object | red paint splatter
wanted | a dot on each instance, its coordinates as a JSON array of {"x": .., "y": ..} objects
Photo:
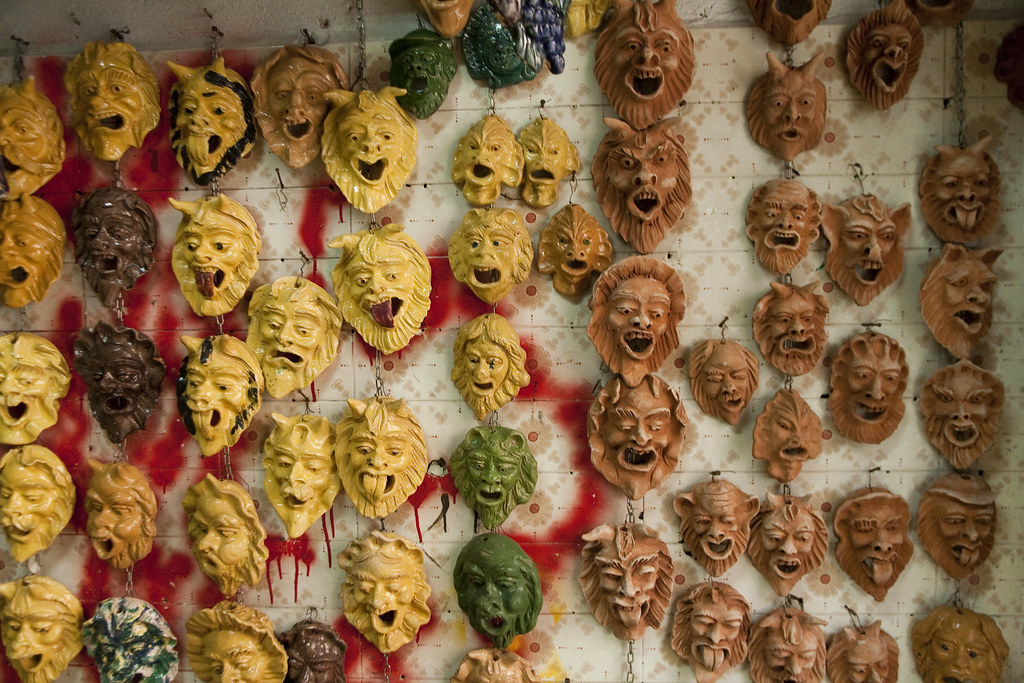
[
  {"x": 313, "y": 221},
  {"x": 431, "y": 483},
  {"x": 300, "y": 549},
  {"x": 328, "y": 536},
  {"x": 448, "y": 297}
]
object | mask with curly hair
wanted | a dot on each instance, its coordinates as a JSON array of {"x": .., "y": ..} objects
[
  {"x": 494, "y": 471},
  {"x": 33, "y": 149},
  {"x": 122, "y": 513},
  {"x": 487, "y": 157},
  {"x": 787, "y": 646},
  {"x": 958, "y": 644},
  {"x": 710, "y": 629},
  {"x": 490, "y": 252},
  {"x": 961, "y": 405},
  {"x": 869, "y": 375},
  {"x": 490, "y": 365},
  {"x": 883, "y": 53},
  {"x": 37, "y": 497},
  {"x": 316, "y": 653},
  {"x": 956, "y": 297},
  {"x": 32, "y": 233},
  {"x": 789, "y": 326},
  {"x": 786, "y": 108},
  {"x": 491, "y": 665},
  {"x": 33, "y": 378},
  {"x": 788, "y": 539},
  {"x": 863, "y": 654},
  {"x": 873, "y": 549},
  {"x": 234, "y": 642},
  {"x": 959, "y": 190},
  {"x": 715, "y": 520},
  {"x": 956, "y": 522},
  {"x": 42, "y": 627}
]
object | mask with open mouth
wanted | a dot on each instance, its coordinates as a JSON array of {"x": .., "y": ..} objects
[
  {"x": 710, "y": 629},
  {"x": 862, "y": 654},
  {"x": 492, "y": 665},
  {"x": 883, "y": 53},
  {"x": 789, "y": 326},
  {"x": 42, "y": 627},
  {"x": 723, "y": 378},
  {"x": 423, "y": 64},
  {"x": 122, "y": 511},
  {"x": 783, "y": 220},
  {"x": 316, "y": 653},
  {"x": 940, "y": 12},
  {"x": 956, "y": 522},
  {"x": 130, "y": 640},
  {"x": 550, "y": 157},
  {"x": 787, "y": 434},
  {"x": 231, "y": 642},
  {"x": 959, "y": 190},
  {"x": 788, "y": 21},
  {"x": 32, "y": 240},
  {"x": 33, "y": 377},
  {"x": 573, "y": 248},
  {"x": 31, "y": 140},
  {"x": 869, "y": 375},
  {"x": 492, "y": 52},
  {"x": 36, "y": 499},
  {"x": 449, "y": 17},
  {"x": 787, "y": 646},
  {"x": 715, "y": 523},
  {"x": 491, "y": 252},
  {"x": 956, "y": 297},
  {"x": 489, "y": 365},
  {"x": 494, "y": 471},
  {"x": 786, "y": 108},
  {"x": 873, "y": 549},
  {"x": 961, "y": 405},
  {"x": 788, "y": 539},
  {"x": 487, "y": 157},
  {"x": 958, "y": 645}
]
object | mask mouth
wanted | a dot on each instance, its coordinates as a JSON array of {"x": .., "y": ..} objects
[
  {"x": 575, "y": 265},
  {"x": 487, "y": 276},
  {"x": 214, "y": 418},
  {"x": 783, "y": 239},
  {"x": 489, "y": 496},
  {"x": 213, "y": 144},
  {"x": 787, "y": 567},
  {"x": 32, "y": 662},
  {"x": 17, "y": 411},
  {"x": 482, "y": 172},
  {"x": 108, "y": 264},
  {"x": 638, "y": 343},
  {"x": 794, "y": 453},
  {"x": 384, "y": 312},
  {"x": 969, "y": 319},
  {"x": 636, "y": 459},
  {"x": 484, "y": 387},
  {"x": 417, "y": 85},
  {"x": 106, "y": 546},
  {"x": 377, "y": 486},
  {"x": 117, "y": 404},
  {"x": 887, "y": 75},
  {"x": 209, "y": 281},
  {"x": 869, "y": 413},
  {"x": 802, "y": 346},
  {"x": 18, "y": 275},
  {"x": 385, "y": 621},
  {"x": 372, "y": 172},
  {"x": 646, "y": 82},
  {"x": 867, "y": 271},
  {"x": 794, "y": 9},
  {"x": 791, "y": 134},
  {"x": 719, "y": 550},
  {"x": 113, "y": 122},
  {"x": 964, "y": 214},
  {"x": 644, "y": 203},
  {"x": 288, "y": 356},
  {"x": 961, "y": 434},
  {"x": 297, "y": 131},
  {"x": 542, "y": 175}
]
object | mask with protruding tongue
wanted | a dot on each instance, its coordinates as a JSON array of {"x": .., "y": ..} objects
[
  {"x": 385, "y": 311},
  {"x": 377, "y": 486},
  {"x": 207, "y": 282}
]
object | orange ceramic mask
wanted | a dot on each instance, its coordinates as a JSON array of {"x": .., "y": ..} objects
[
  {"x": 869, "y": 375},
  {"x": 786, "y": 109},
  {"x": 940, "y": 12},
  {"x": 550, "y": 157},
  {"x": 585, "y": 16},
  {"x": 41, "y": 627},
  {"x": 723, "y": 378},
  {"x": 31, "y": 140},
  {"x": 956, "y": 297},
  {"x": 299, "y": 474},
  {"x": 449, "y": 17},
  {"x": 883, "y": 53},
  {"x": 956, "y": 522},
  {"x": 789, "y": 327},
  {"x": 716, "y": 517},
  {"x": 872, "y": 526},
  {"x": 788, "y": 22},
  {"x": 487, "y": 157},
  {"x": 31, "y": 249},
  {"x": 33, "y": 377},
  {"x": 787, "y": 646},
  {"x": 710, "y": 629},
  {"x": 961, "y": 405},
  {"x": 787, "y": 434},
  {"x": 573, "y": 248},
  {"x": 494, "y": 666},
  {"x": 122, "y": 513},
  {"x": 490, "y": 252},
  {"x": 231, "y": 643},
  {"x": 490, "y": 365},
  {"x": 959, "y": 190},
  {"x": 858, "y": 655},
  {"x": 783, "y": 220},
  {"x": 36, "y": 499},
  {"x": 788, "y": 539},
  {"x": 956, "y": 644}
]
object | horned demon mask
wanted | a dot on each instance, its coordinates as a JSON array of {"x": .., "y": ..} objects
[
  {"x": 789, "y": 326},
  {"x": 869, "y": 375},
  {"x": 715, "y": 523},
  {"x": 956, "y": 297},
  {"x": 786, "y": 109}
]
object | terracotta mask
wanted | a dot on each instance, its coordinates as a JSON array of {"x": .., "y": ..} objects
[
  {"x": 723, "y": 378},
  {"x": 293, "y": 331},
  {"x": 788, "y": 22},
  {"x": 643, "y": 60},
  {"x": 115, "y": 98},
  {"x": 384, "y": 594},
  {"x": 227, "y": 536},
  {"x": 789, "y": 327},
  {"x": 863, "y": 655},
  {"x": 212, "y": 121},
  {"x": 299, "y": 474},
  {"x": 289, "y": 90},
  {"x": 635, "y": 309},
  {"x": 37, "y": 497},
  {"x": 129, "y": 640},
  {"x": 869, "y": 375},
  {"x": 316, "y": 654},
  {"x": 490, "y": 252},
  {"x": 231, "y": 642},
  {"x": 787, "y": 434},
  {"x": 31, "y": 140},
  {"x": 956, "y": 522},
  {"x": 715, "y": 527},
  {"x": 550, "y": 157},
  {"x": 1010, "y": 66},
  {"x": 956, "y": 297},
  {"x": 449, "y": 17},
  {"x": 710, "y": 629},
  {"x": 940, "y": 12},
  {"x": 490, "y": 365},
  {"x": 41, "y": 627},
  {"x": 636, "y": 434},
  {"x": 122, "y": 370},
  {"x": 585, "y": 16},
  {"x": 961, "y": 405},
  {"x": 494, "y": 471},
  {"x": 490, "y": 50},
  {"x": 487, "y": 157},
  {"x": 219, "y": 390},
  {"x": 382, "y": 281},
  {"x": 959, "y": 190},
  {"x": 31, "y": 249},
  {"x": 783, "y": 220},
  {"x": 787, "y": 646},
  {"x": 491, "y": 665},
  {"x": 865, "y": 245},
  {"x": 883, "y": 53},
  {"x": 499, "y": 588},
  {"x": 381, "y": 454},
  {"x": 122, "y": 513},
  {"x": 369, "y": 145},
  {"x": 786, "y": 109},
  {"x": 423, "y": 64},
  {"x": 873, "y": 548},
  {"x": 33, "y": 377},
  {"x": 956, "y": 644},
  {"x": 642, "y": 179},
  {"x": 788, "y": 539},
  {"x": 573, "y": 248}
]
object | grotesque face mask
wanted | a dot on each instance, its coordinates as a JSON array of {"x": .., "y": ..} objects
[
  {"x": 293, "y": 332},
  {"x": 384, "y": 594},
  {"x": 786, "y": 109},
  {"x": 585, "y": 16},
  {"x": 369, "y": 145},
  {"x": 788, "y": 22},
  {"x": 787, "y": 434},
  {"x": 316, "y": 654},
  {"x": 490, "y": 50},
  {"x": 36, "y": 499},
  {"x": 940, "y": 12},
  {"x": 1010, "y": 66},
  {"x": 490, "y": 252},
  {"x": 959, "y": 190},
  {"x": 449, "y": 17},
  {"x": 41, "y": 627},
  {"x": 490, "y": 365},
  {"x": 956, "y": 297},
  {"x": 231, "y": 642},
  {"x": 723, "y": 378},
  {"x": 869, "y": 375},
  {"x": 122, "y": 511},
  {"x": 787, "y": 645},
  {"x": 491, "y": 665},
  {"x": 883, "y": 53},
  {"x": 572, "y": 248},
  {"x": 32, "y": 241},
  {"x": 381, "y": 454},
  {"x": 874, "y": 547},
  {"x": 494, "y": 472},
  {"x": 783, "y": 220},
  {"x": 33, "y": 377},
  {"x": 288, "y": 89},
  {"x": 423, "y": 64},
  {"x": 115, "y": 98},
  {"x": 499, "y": 588},
  {"x": 961, "y": 405},
  {"x": 716, "y": 519},
  {"x": 954, "y": 643},
  {"x": 129, "y": 640},
  {"x": 300, "y": 477},
  {"x": 382, "y": 281},
  {"x": 956, "y": 522},
  {"x": 31, "y": 140},
  {"x": 789, "y": 326},
  {"x": 710, "y": 629},
  {"x": 788, "y": 539},
  {"x": 642, "y": 179},
  {"x": 487, "y": 157},
  {"x": 550, "y": 157},
  {"x": 863, "y": 655}
]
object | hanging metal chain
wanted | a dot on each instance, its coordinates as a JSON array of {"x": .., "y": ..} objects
[
  {"x": 855, "y": 619},
  {"x": 378, "y": 389},
  {"x": 630, "y": 513},
  {"x": 490, "y": 101},
  {"x": 629, "y": 663},
  {"x": 129, "y": 584},
  {"x": 119, "y": 453},
  {"x": 361, "y": 27},
  {"x": 118, "y": 179},
  {"x": 226, "y": 462},
  {"x": 19, "y": 58},
  {"x": 219, "y": 319},
  {"x": 961, "y": 93},
  {"x": 387, "y": 668}
]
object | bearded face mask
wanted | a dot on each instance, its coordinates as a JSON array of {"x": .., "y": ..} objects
[
  {"x": 873, "y": 549},
  {"x": 789, "y": 326},
  {"x": 550, "y": 157},
  {"x": 489, "y": 49},
  {"x": 491, "y": 665},
  {"x": 956, "y": 522},
  {"x": 316, "y": 654},
  {"x": 128, "y": 639},
  {"x": 783, "y": 220},
  {"x": 423, "y": 64},
  {"x": 42, "y": 627},
  {"x": 788, "y": 539},
  {"x": 573, "y": 248},
  {"x": 723, "y": 378},
  {"x": 36, "y": 499},
  {"x": 490, "y": 252},
  {"x": 787, "y": 645},
  {"x": 954, "y": 643},
  {"x": 490, "y": 364},
  {"x": 883, "y": 53},
  {"x": 494, "y": 471},
  {"x": 869, "y": 375},
  {"x": 233, "y": 642},
  {"x": 956, "y": 297},
  {"x": 959, "y": 190},
  {"x": 487, "y": 157},
  {"x": 863, "y": 654},
  {"x": 33, "y": 377},
  {"x": 786, "y": 109},
  {"x": 715, "y": 527},
  {"x": 787, "y": 434},
  {"x": 788, "y": 22},
  {"x": 31, "y": 140},
  {"x": 31, "y": 249},
  {"x": 449, "y": 17},
  {"x": 122, "y": 512},
  {"x": 961, "y": 405},
  {"x": 710, "y": 629}
]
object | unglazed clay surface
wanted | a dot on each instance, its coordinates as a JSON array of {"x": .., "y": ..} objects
[
  {"x": 423, "y": 64},
  {"x": 550, "y": 157},
  {"x": 449, "y": 17},
  {"x": 299, "y": 473},
  {"x": 869, "y": 375},
  {"x": 788, "y": 22},
  {"x": 955, "y": 643},
  {"x": 786, "y": 435},
  {"x": 715, "y": 523},
  {"x": 129, "y": 640},
  {"x": 490, "y": 50},
  {"x": 487, "y": 157},
  {"x": 33, "y": 377},
  {"x": 961, "y": 405},
  {"x": 723, "y": 378},
  {"x": 783, "y": 220},
  {"x": 316, "y": 654},
  {"x": 489, "y": 367},
  {"x": 856, "y": 655},
  {"x": 959, "y": 190},
  {"x": 122, "y": 513},
  {"x": 231, "y": 643},
  {"x": 940, "y": 12},
  {"x": 41, "y": 627},
  {"x": 494, "y": 471},
  {"x": 883, "y": 53},
  {"x": 1010, "y": 66},
  {"x": 789, "y": 327},
  {"x": 710, "y": 629},
  {"x": 788, "y": 539},
  {"x": 37, "y": 497},
  {"x": 490, "y": 252},
  {"x": 33, "y": 139},
  {"x": 956, "y": 522},
  {"x": 32, "y": 234},
  {"x": 786, "y": 108},
  {"x": 787, "y": 646},
  {"x": 573, "y": 248},
  {"x": 872, "y": 525},
  {"x": 956, "y": 297},
  {"x": 492, "y": 665}
]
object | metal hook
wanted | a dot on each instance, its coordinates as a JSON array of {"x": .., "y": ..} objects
[
  {"x": 723, "y": 326},
  {"x": 120, "y": 33},
  {"x": 876, "y": 468},
  {"x": 302, "y": 268},
  {"x": 787, "y": 383},
  {"x": 855, "y": 619},
  {"x": 790, "y": 599},
  {"x": 715, "y": 474},
  {"x": 282, "y": 198},
  {"x": 20, "y": 46},
  {"x": 859, "y": 175},
  {"x": 540, "y": 109},
  {"x": 789, "y": 170},
  {"x": 307, "y": 37},
  {"x": 573, "y": 183}
]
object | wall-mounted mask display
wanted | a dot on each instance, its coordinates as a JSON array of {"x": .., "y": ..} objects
[
  {"x": 232, "y": 642},
  {"x": 869, "y": 375},
  {"x": 786, "y": 108},
  {"x": 715, "y": 523},
  {"x": 961, "y": 405},
  {"x": 41, "y": 627},
  {"x": 710, "y": 629},
  {"x": 316, "y": 653},
  {"x": 487, "y": 157},
  {"x": 32, "y": 239},
  {"x": 490, "y": 252},
  {"x": 585, "y": 16},
  {"x": 863, "y": 654},
  {"x": 122, "y": 513},
  {"x": 786, "y": 435},
  {"x": 783, "y": 220},
  {"x": 955, "y": 643},
  {"x": 550, "y": 157},
  {"x": 423, "y": 64},
  {"x": 31, "y": 139},
  {"x": 787, "y": 645},
  {"x": 788, "y": 539},
  {"x": 494, "y": 471},
  {"x": 789, "y": 327},
  {"x": 37, "y": 497},
  {"x": 449, "y": 17},
  {"x": 883, "y": 53},
  {"x": 490, "y": 50},
  {"x": 492, "y": 665},
  {"x": 129, "y": 640},
  {"x": 788, "y": 22},
  {"x": 940, "y": 12},
  {"x": 573, "y": 248},
  {"x": 872, "y": 525},
  {"x": 956, "y": 297},
  {"x": 959, "y": 190},
  {"x": 723, "y": 378},
  {"x": 299, "y": 473},
  {"x": 33, "y": 377},
  {"x": 956, "y": 522},
  {"x": 489, "y": 366},
  {"x": 1010, "y": 66}
]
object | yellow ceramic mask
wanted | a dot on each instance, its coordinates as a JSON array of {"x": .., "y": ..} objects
[
  {"x": 41, "y": 626},
  {"x": 550, "y": 157},
  {"x": 33, "y": 377},
  {"x": 487, "y": 157},
  {"x": 31, "y": 249},
  {"x": 122, "y": 513},
  {"x": 36, "y": 499},
  {"x": 31, "y": 139},
  {"x": 491, "y": 252},
  {"x": 300, "y": 477},
  {"x": 490, "y": 365},
  {"x": 233, "y": 643},
  {"x": 585, "y": 16}
]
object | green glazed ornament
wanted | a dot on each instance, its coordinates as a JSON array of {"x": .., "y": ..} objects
[
  {"x": 423, "y": 64},
  {"x": 129, "y": 640},
  {"x": 494, "y": 471},
  {"x": 490, "y": 53}
]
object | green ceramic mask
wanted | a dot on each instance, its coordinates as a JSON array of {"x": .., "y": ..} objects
[
  {"x": 129, "y": 640},
  {"x": 490, "y": 52},
  {"x": 423, "y": 63},
  {"x": 494, "y": 471}
]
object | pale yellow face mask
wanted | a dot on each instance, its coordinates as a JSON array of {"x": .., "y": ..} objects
[
  {"x": 300, "y": 477},
  {"x": 491, "y": 252},
  {"x": 33, "y": 377},
  {"x": 36, "y": 499},
  {"x": 489, "y": 365},
  {"x": 31, "y": 139},
  {"x": 122, "y": 509},
  {"x": 550, "y": 157},
  {"x": 487, "y": 157},
  {"x": 32, "y": 235},
  {"x": 42, "y": 627}
]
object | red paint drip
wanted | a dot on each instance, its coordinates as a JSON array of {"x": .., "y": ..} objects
[
  {"x": 298, "y": 548},
  {"x": 431, "y": 484},
  {"x": 313, "y": 222},
  {"x": 449, "y": 297},
  {"x": 327, "y": 538}
]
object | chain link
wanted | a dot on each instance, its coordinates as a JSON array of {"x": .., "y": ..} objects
[
  {"x": 228, "y": 474},
  {"x": 118, "y": 179},
  {"x": 630, "y": 514},
  {"x": 361, "y": 27},
  {"x": 119, "y": 453},
  {"x": 129, "y": 584},
  {"x": 220, "y": 323},
  {"x": 378, "y": 389},
  {"x": 629, "y": 662},
  {"x": 387, "y": 668},
  {"x": 961, "y": 93},
  {"x": 119, "y": 308},
  {"x": 19, "y": 58}
]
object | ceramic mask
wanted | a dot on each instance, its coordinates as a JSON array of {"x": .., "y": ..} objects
[
  {"x": 537, "y": 28},
  {"x": 490, "y": 252},
  {"x": 122, "y": 370},
  {"x": 31, "y": 140},
  {"x": 636, "y": 434},
  {"x": 956, "y": 297},
  {"x": 786, "y": 109},
  {"x": 490, "y": 50},
  {"x": 216, "y": 253},
  {"x": 550, "y": 157},
  {"x": 294, "y": 327},
  {"x": 31, "y": 249},
  {"x": 873, "y": 548},
  {"x": 783, "y": 220},
  {"x": 863, "y": 655},
  {"x": 227, "y": 536},
  {"x": 115, "y": 233},
  {"x": 573, "y": 248},
  {"x": 788, "y": 539},
  {"x": 788, "y": 22},
  {"x": 1010, "y": 66},
  {"x": 299, "y": 474},
  {"x": 789, "y": 327},
  {"x": 37, "y": 497},
  {"x": 940, "y": 12},
  {"x": 715, "y": 528},
  {"x": 787, "y": 645},
  {"x": 41, "y": 626},
  {"x": 642, "y": 179},
  {"x": 956, "y": 522},
  {"x": 33, "y": 377},
  {"x": 585, "y": 16},
  {"x": 957, "y": 644},
  {"x": 122, "y": 513},
  {"x": 710, "y": 629},
  {"x": 723, "y": 378},
  {"x": 369, "y": 145},
  {"x": 381, "y": 454},
  {"x": 959, "y": 190},
  {"x": 449, "y": 17},
  {"x": 635, "y": 309},
  {"x": 213, "y": 124},
  {"x": 498, "y": 587},
  {"x": 491, "y": 665},
  {"x": 643, "y": 60},
  {"x": 219, "y": 390},
  {"x": 494, "y": 471},
  {"x": 115, "y": 98},
  {"x": 487, "y": 157},
  {"x": 423, "y": 64},
  {"x": 233, "y": 643},
  {"x": 289, "y": 89},
  {"x": 382, "y": 281},
  {"x": 316, "y": 654},
  {"x": 129, "y": 640},
  {"x": 384, "y": 594},
  {"x": 786, "y": 435},
  {"x": 869, "y": 375},
  {"x": 961, "y": 405},
  {"x": 883, "y": 53},
  {"x": 489, "y": 367}
]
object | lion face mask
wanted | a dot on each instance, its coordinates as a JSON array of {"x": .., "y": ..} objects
[
  {"x": 787, "y": 434},
  {"x": 423, "y": 64},
  {"x": 573, "y": 248},
  {"x": 36, "y": 499},
  {"x": 31, "y": 140},
  {"x": 316, "y": 653},
  {"x": 33, "y": 377},
  {"x": 956, "y": 644},
  {"x": 788, "y": 539},
  {"x": 788, "y": 22},
  {"x": 789, "y": 326},
  {"x": 122, "y": 513},
  {"x": 715, "y": 528},
  {"x": 723, "y": 378},
  {"x": 786, "y": 109},
  {"x": 956, "y": 297},
  {"x": 550, "y": 157},
  {"x": 490, "y": 365},
  {"x": 491, "y": 665},
  {"x": 787, "y": 646},
  {"x": 872, "y": 526},
  {"x": 494, "y": 471},
  {"x": 42, "y": 627},
  {"x": 783, "y": 220},
  {"x": 490, "y": 252},
  {"x": 869, "y": 375},
  {"x": 32, "y": 241},
  {"x": 959, "y": 190},
  {"x": 710, "y": 629},
  {"x": 230, "y": 643},
  {"x": 956, "y": 522},
  {"x": 858, "y": 655},
  {"x": 883, "y": 53},
  {"x": 487, "y": 157},
  {"x": 961, "y": 405},
  {"x": 130, "y": 640}
]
